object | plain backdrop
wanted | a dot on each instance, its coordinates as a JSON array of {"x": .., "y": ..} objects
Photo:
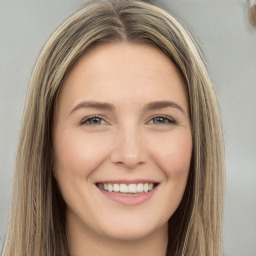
[{"x": 229, "y": 46}]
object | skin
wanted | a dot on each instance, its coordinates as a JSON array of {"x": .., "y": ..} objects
[{"x": 127, "y": 142}]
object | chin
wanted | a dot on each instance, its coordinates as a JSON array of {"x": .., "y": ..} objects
[{"x": 135, "y": 229}]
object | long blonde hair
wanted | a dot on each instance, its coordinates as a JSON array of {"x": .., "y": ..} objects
[{"x": 37, "y": 217}]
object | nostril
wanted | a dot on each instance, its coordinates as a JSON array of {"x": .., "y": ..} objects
[{"x": 128, "y": 160}]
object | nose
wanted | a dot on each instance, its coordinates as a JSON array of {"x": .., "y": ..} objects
[{"x": 129, "y": 149}]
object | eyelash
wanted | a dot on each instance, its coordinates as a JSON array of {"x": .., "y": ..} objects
[
  {"x": 88, "y": 119},
  {"x": 167, "y": 120}
]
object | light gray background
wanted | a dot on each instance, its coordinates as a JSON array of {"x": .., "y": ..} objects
[{"x": 229, "y": 46}]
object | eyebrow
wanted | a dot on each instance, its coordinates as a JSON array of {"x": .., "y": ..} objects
[
  {"x": 110, "y": 107},
  {"x": 163, "y": 104},
  {"x": 93, "y": 104}
]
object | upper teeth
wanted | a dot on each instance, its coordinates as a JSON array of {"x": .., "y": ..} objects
[{"x": 128, "y": 188}]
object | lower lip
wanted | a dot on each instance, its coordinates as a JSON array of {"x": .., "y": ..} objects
[{"x": 132, "y": 199}]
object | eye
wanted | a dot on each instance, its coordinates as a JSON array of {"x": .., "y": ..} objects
[
  {"x": 162, "y": 120},
  {"x": 93, "y": 120}
]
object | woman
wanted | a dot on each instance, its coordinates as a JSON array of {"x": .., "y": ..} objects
[{"x": 121, "y": 148}]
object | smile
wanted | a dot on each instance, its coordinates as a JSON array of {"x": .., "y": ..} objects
[
  {"x": 127, "y": 188},
  {"x": 134, "y": 193}
]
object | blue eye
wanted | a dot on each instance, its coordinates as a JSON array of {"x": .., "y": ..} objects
[
  {"x": 162, "y": 120},
  {"x": 93, "y": 120},
  {"x": 159, "y": 120}
]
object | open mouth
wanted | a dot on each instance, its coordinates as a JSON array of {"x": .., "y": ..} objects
[{"x": 127, "y": 189}]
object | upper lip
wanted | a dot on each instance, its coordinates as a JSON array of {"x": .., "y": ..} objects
[{"x": 126, "y": 181}]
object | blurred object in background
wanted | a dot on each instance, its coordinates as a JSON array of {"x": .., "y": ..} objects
[{"x": 252, "y": 12}]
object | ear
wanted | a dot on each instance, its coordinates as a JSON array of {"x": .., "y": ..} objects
[{"x": 252, "y": 12}]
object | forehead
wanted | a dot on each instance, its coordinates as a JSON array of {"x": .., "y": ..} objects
[
  {"x": 123, "y": 72},
  {"x": 124, "y": 56}
]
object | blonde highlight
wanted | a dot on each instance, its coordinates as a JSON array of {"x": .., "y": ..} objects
[{"x": 37, "y": 220}]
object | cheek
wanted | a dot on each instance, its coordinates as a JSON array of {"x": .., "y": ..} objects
[
  {"x": 77, "y": 154},
  {"x": 173, "y": 155}
]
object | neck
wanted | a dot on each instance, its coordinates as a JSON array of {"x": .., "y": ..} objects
[{"x": 83, "y": 243}]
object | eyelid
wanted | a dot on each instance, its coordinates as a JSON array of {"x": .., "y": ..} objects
[
  {"x": 85, "y": 119},
  {"x": 171, "y": 120}
]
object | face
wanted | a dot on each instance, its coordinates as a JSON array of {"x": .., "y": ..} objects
[{"x": 122, "y": 141}]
